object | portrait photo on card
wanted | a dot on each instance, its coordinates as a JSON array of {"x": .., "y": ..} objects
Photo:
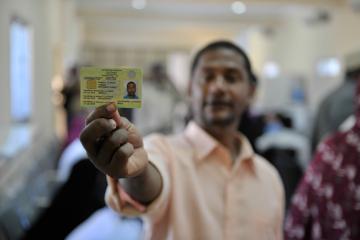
[{"x": 132, "y": 90}]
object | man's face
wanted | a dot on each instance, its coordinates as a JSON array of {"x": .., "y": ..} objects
[
  {"x": 220, "y": 88},
  {"x": 131, "y": 89}
]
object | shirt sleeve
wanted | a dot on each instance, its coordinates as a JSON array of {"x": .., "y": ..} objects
[
  {"x": 279, "y": 230},
  {"x": 158, "y": 153}
]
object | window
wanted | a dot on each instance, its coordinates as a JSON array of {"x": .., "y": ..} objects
[
  {"x": 20, "y": 71},
  {"x": 19, "y": 134},
  {"x": 328, "y": 67}
]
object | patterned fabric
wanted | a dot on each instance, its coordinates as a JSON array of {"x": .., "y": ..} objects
[{"x": 327, "y": 202}]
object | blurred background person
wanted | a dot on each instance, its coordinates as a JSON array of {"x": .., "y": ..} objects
[
  {"x": 160, "y": 99},
  {"x": 106, "y": 224},
  {"x": 336, "y": 107},
  {"x": 75, "y": 115},
  {"x": 252, "y": 123},
  {"x": 286, "y": 149},
  {"x": 327, "y": 202}
]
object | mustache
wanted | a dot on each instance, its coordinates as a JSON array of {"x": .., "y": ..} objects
[{"x": 219, "y": 102}]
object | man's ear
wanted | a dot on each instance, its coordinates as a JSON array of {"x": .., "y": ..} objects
[
  {"x": 189, "y": 115},
  {"x": 252, "y": 91},
  {"x": 189, "y": 89}
]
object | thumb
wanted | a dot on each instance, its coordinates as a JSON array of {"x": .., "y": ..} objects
[
  {"x": 134, "y": 136},
  {"x": 116, "y": 115}
]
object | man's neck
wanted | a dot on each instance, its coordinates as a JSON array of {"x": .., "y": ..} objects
[{"x": 227, "y": 136}]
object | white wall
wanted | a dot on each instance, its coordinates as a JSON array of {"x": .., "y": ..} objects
[
  {"x": 296, "y": 46},
  {"x": 33, "y": 12},
  {"x": 57, "y": 40},
  {"x": 73, "y": 29}
]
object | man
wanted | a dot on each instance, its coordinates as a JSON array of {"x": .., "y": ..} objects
[
  {"x": 338, "y": 105},
  {"x": 205, "y": 183},
  {"x": 131, "y": 91}
]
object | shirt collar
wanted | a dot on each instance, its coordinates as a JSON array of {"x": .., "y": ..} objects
[{"x": 204, "y": 144}]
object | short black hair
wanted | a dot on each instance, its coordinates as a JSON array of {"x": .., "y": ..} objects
[
  {"x": 227, "y": 45},
  {"x": 352, "y": 74},
  {"x": 131, "y": 82}
]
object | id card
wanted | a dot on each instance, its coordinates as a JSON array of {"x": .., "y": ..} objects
[{"x": 100, "y": 86}]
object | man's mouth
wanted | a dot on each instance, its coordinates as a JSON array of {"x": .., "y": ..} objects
[{"x": 219, "y": 104}]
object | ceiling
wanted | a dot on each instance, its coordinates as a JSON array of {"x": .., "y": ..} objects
[{"x": 181, "y": 23}]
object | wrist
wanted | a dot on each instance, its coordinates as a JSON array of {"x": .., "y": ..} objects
[{"x": 144, "y": 187}]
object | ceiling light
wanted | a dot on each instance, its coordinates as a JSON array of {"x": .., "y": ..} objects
[
  {"x": 238, "y": 7},
  {"x": 138, "y": 4},
  {"x": 271, "y": 70}
]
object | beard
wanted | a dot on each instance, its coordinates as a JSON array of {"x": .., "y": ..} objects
[
  {"x": 214, "y": 115},
  {"x": 219, "y": 113},
  {"x": 222, "y": 121}
]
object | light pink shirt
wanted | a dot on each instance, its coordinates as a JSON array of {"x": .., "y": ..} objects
[{"x": 205, "y": 196}]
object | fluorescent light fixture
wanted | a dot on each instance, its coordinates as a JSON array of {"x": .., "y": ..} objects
[
  {"x": 238, "y": 7},
  {"x": 271, "y": 70},
  {"x": 328, "y": 67},
  {"x": 138, "y": 4}
]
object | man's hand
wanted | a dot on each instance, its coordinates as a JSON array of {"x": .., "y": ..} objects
[
  {"x": 113, "y": 144},
  {"x": 115, "y": 147}
]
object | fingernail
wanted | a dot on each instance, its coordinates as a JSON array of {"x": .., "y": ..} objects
[
  {"x": 113, "y": 123},
  {"x": 111, "y": 107},
  {"x": 142, "y": 209}
]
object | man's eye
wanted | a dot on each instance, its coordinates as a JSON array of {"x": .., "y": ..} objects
[
  {"x": 209, "y": 77},
  {"x": 231, "y": 78}
]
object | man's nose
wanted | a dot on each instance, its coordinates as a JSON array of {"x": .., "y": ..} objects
[{"x": 219, "y": 84}]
